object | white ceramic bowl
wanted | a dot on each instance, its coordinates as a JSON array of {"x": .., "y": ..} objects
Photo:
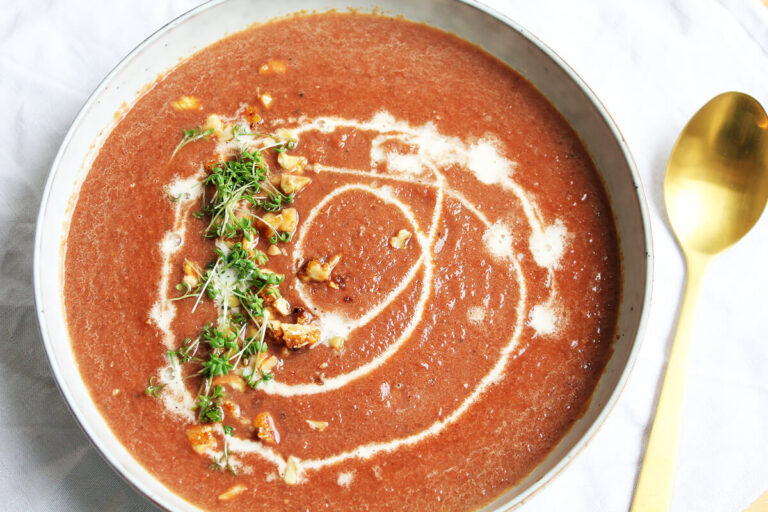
[{"x": 467, "y": 19}]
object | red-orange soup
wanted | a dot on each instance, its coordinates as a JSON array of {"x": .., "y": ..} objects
[{"x": 416, "y": 284}]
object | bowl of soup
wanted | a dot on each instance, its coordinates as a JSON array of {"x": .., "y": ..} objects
[{"x": 299, "y": 257}]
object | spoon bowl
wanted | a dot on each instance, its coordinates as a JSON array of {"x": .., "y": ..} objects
[{"x": 717, "y": 178}]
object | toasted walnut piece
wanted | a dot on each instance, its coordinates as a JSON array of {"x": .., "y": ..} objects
[
  {"x": 251, "y": 331},
  {"x": 220, "y": 131},
  {"x": 269, "y": 294},
  {"x": 265, "y": 428},
  {"x": 192, "y": 273},
  {"x": 290, "y": 220},
  {"x": 291, "y": 163},
  {"x": 201, "y": 438},
  {"x": 401, "y": 240},
  {"x": 273, "y": 66},
  {"x": 233, "y": 492},
  {"x": 268, "y": 364},
  {"x": 296, "y": 336},
  {"x": 282, "y": 306},
  {"x": 273, "y": 250},
  {"x": 278, "y": 66},
  {"x": 291, "y": 473},
  {"x": 320, "y": 271},
  {"x": 337, "y": 342},
  {"x": 233, "y": 301},
  {"x": 272, "y": 220},
  {"x": 231, "y": 408},
  {"x": 304, "y": 317},
  {"x": 232, "y": 380},
  {"x": 291, "y": 184},
  {"x": 284, "y": 134},
  {"x": 266, "y": 100},
  {"x": 318, "y": 425},
  {"x": 276, "y": 327},
  {"x": 186, "y": 103},
  {"x": 252, "y": 115}
]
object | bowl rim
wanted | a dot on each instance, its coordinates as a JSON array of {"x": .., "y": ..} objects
[{"x": 132, "y": 479}]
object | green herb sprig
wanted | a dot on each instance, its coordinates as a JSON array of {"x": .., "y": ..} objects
[{"x": 192, "y": 135}]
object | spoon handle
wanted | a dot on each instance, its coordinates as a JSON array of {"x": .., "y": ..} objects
[{"x": 654, "y": 486}]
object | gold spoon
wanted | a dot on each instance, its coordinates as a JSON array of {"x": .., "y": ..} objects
[{"x": 715, "y": 190}]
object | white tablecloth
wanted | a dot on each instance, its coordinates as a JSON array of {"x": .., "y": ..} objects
[{"x": 653, "y": 63}]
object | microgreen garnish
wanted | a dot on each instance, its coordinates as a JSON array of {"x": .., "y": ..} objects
[
  {"x": 239, "y": 184},
  {"x": 237, "y": 190},
  {"x": 223, "y": 461},
  {"x": 192, "y": 135},
  {"x": 153, "y": 389},
  {"x": 209, "y": 405}
]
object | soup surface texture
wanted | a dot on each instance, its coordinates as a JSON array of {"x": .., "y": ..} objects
[{"x": 343, "y": 262}]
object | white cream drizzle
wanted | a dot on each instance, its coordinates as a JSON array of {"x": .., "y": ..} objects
[
  {"x": 433, "y": 152},
  {"x": 336, "y": 324},
  {"x": 543, "y": 319},
  {"x": 176, "y": 398}
]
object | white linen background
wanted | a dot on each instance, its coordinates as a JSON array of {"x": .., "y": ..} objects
[{"x": 652, "y": 63}]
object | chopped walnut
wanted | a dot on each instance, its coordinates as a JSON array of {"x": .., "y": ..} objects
[
  {"x": 220, "y": 131},
  {"x": 187, "y": 103},
  {"x": 290, "y": 220},
  {"x": 232, "y": 380},
  {"x": 266, "y": 100},
  {"x": 265, "y": 428},
  {"x": 295, "y": 336},
  {"x": 319, "y": 271},
  {"x": 201, "y": 438},
  {"x": 317, "y": 425},
  {"x": 272, "y": 220},
  {"x": 251, "y": 331},
  {"x": 269, "y": 294},
  {"x": 337, "y": 342},
  {"x": 275, "y": 179},
  {"x": 233, "y": 492},
  {"x": 252, "y": 115},
  {"x": 291, "y": 473},
  {"x": 304, "y": 317},
  {"x": 192, "y": 273},
  {"x": 231, "y": 408},
  {"x": 284, "y": 134},
  {"x": 267, "y": 363},
  {"x": 233, "y": 301},
  {"x": 401, "y": 240},
  {"x": 291, "y": 163},
  {"x": 282, "y": 306},
  {"x": 273, "y": 66},
  {"x": 285, "y": 221},
  {"x": 291, "y": 184}
]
